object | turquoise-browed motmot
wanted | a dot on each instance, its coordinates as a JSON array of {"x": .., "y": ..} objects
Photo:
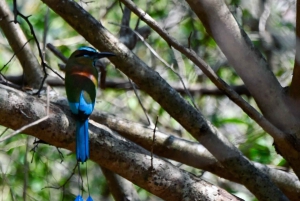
[{"x": 81, "y": 84}]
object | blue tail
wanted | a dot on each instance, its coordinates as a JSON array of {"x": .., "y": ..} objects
[{"x": 82, "y": 141}]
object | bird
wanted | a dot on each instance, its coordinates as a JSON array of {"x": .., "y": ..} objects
[{"x": 81, "y": 81}]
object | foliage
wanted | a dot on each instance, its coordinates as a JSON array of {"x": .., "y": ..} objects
[{"x": 36, "y": 173}]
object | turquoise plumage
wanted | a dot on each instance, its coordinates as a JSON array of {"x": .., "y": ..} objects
[{"x": 81, "y": 82}]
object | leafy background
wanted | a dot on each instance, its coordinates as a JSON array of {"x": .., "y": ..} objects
[{"x": 42, "y": 174}]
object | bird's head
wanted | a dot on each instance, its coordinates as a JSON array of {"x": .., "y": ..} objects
[{"x": 88, "y": 54}]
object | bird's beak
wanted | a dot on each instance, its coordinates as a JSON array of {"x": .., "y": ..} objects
[{"x": 104, "y": 54}]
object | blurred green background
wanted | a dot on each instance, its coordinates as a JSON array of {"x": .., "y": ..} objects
[{"x": 28, "y": 175}]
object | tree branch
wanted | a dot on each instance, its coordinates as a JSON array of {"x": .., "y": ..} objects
[
  {"x": 285, "y": 142},
  {"x": 107, "y": 149},
  {"x": 17, "y": 39},
  {"x": 248, "y": 62},
  {"x": 190, "y": 153},
  {"x": 127, "y": 36},
  {"x": 151, "y": 82}
]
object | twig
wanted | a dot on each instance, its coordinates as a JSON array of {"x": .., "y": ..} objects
[
  {"x": 120, "y": 4},
  {"x": 60, "y": 154},
  {"x": 43, "y": 63},
  {"x": 87, "y": 2},
  {"x": 87, "y": 178},
  {"x": 141, "y": 104},
  {"x": 80, "y": 178},
  {"x": 36, "y": 144},
  {"x": 182, "y": 81},
  {"x": 7, "y": 182},
  {"x": 55, "y": 72},
  {"x": 23, "y": 128},
  {"x": 64, "y": 184},
  {"x": 14, "y": 56},
  {"x": 108, "y": 8},
  {"x": 189, "y": 40},
  {"x": 6, "y": 129},
  {"x": 57, "y": 53},
  {"x": 5, "y": 81},
  {"x": 46, "y": 27},
  {"x": 25, "y": 172},
  {"x": 153, "y": 142}
]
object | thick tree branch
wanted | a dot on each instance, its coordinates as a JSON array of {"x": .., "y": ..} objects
[
  {"x": 247, "y": 61},
  {"x": 151, "y": 82},
  {"x": 107, "y": 149},
  {"x": 254, "y": 71},
  {"x": 18, "y": 42},
  {"x": 191, "y": 153}
]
